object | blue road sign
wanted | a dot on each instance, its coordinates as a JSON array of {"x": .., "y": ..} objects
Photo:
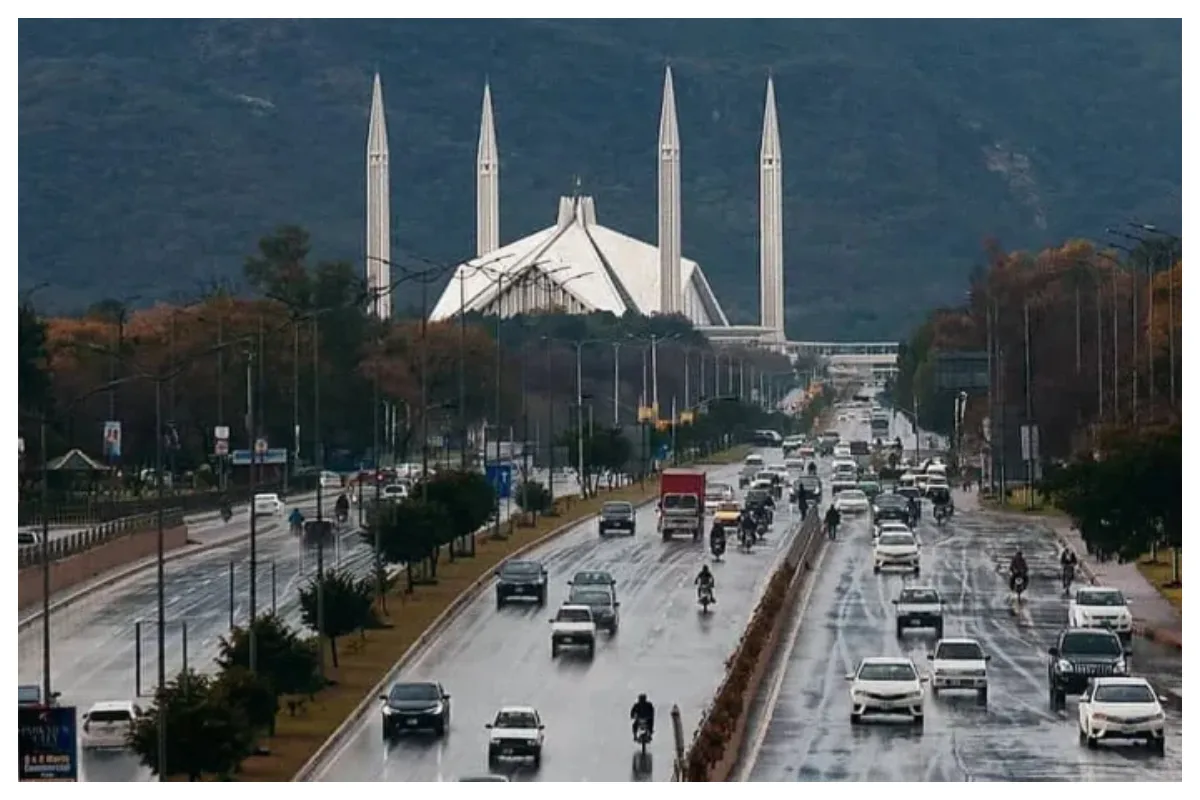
[
  {"x": 46, "y": 744},
  {"x": 241, "y": 458},
  {"x": 500, "y": 477}
]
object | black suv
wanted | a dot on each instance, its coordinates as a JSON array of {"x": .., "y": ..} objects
[
  {"x": 617, "y": 517},
  {"x": 1080, "y": 654},
  {"x": 415, "y": 707},
  {"x": 521, "y": 578}
]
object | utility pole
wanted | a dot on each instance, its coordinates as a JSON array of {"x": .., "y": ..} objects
[
  {"x": 161, "y": 570},
  {"x": 1028, "y": 412},
  {"x": 654, "y": 373},
  {"x": 250, "y": 428},
  {"x": 616, "y": 384},
  {"x": 319, "y": 463},
  {"x": 499, "y": 315},
  {"x": 579, "y": 416},
  {"x": 1116, "y": 391},
  {"x": 1099, "y": 357}
]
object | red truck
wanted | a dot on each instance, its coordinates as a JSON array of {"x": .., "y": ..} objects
[{"x": 681, "y": 502}]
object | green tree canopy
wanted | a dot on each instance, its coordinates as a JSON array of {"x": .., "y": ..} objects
[
  {"x": 289, "y": 662},
  {"x": 348, "y": 605}
]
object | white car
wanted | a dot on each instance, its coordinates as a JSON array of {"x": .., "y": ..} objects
[
  {"x": 1099, "y": 607},
  {"x": 887, "y": 685},
  {"x": 1121, "y": 708},
  {"x": 899, "y": 550},
  {"x": 753, "y": 460},
  {"x": 960, "y": 664},
  {"x": 267, "y": 504},
  {"x": 919, "y": 607},
  {"x": 107, "y": 724},
  {"x": 935, "y": 481},
  {"x": 516, "y": 732},
  {"x": 852, "y": 501},
  {"x": 841, "y": 451},
  {"x": 395, "y": 492},
  {"x": 715, "y": 495},
  {"x": 573, "y": 626}
]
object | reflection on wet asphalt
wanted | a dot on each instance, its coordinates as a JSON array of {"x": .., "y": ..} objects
[
  {"x": 665, "y": 647},
  {"x": 93, "y": 655},
  {"x": 1017, "y": 738}
]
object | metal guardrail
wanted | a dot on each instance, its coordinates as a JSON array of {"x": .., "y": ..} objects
[{"x": 74, "y": 543}]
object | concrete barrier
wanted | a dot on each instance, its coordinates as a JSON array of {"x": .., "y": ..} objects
[{"x": 98, "y": 558}]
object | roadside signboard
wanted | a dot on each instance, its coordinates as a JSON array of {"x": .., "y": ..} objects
[
  {"x": 47, "y": 744},
  {"x": 962, "y": 371},
  {"x": 500, "y": 477},
  {"x": 241, "y": 458}
]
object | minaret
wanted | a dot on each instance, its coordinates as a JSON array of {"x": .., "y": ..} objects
[
  {"x": 669, "y": 244},
  {"x": 770, "y": 215},
  {"x": 487, "y": 182},
  {"x": 379, "y": 233}
]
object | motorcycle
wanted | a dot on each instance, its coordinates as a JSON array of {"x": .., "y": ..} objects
[
  {"x": 941, "y": 514},
  {"x": 226, "y": 514},
  {"x": 641, "y": 734},
  {"x": 745, "y": 540},
  {"x": 705, "y": 596},
  {"x": 1068, "y": 577},
  {"x": 716, "y": 544},
  {"x": 342, "y": 516},
  {"x": 1019, "y": 583},
  {"x": 760, "y": 531}
]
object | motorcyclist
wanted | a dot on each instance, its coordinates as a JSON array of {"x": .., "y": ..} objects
[
  {"x": 801, "y": 495},
  {"x": 705, "y": 580},
  {"x": 1017, "y": 567},
  {"x": 643, "y": 710},
  {"x": 833, "y": 518},
  {"x": 296, "y": 520},
  {"x": 716, "y": 537},
  {"x": 1067, "y": 561},
  {"x": 342, "y": 508},
  {"x": 226, "y": 509}
]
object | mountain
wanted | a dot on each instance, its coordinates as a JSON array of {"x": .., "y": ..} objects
[{"x": 153, "y": 154}]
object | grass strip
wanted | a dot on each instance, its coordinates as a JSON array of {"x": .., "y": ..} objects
[
  {"x": 1159, "y": 574},
  {"x": 1018, "y": 502},
  {"x": 365, "y": 659}
]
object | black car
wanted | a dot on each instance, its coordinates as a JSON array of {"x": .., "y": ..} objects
[
  {"x": 890, "y": 507},
  {"x": 415, "y": 707},
  {"x": 1080, "y": 654},
  {"x": 812, "y": 487},
  {"x": 617, "y": 517},
  {"x": 521, "y": 578}
]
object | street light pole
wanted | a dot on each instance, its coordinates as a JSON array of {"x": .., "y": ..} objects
[
  {"x": 579, "y": 415},
  {"x": 616, "y": 384},
  {"x": 47, "y": 694},
  {"x": 161, "y": 588},
  {"x": 250, "y": 422}
]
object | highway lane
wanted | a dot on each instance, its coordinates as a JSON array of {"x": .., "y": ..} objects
[
  {"x": 1018, "y": 737},
  {"x": 665, "y": 647}
]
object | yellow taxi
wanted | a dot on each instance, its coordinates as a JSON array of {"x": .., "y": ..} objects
[{"x": 727, "y": 513}]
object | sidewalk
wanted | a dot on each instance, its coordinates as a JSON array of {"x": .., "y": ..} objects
[{"x": 1154, "y": 617}]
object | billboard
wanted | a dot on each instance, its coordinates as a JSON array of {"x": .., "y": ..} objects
[
  {"x": 962, "y": 371},
  {"x": 112, "y": 440},
  {"x": 46, "y": 744}
]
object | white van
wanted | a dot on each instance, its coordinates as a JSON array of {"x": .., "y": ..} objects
[
  {"x": 936, "y": 468},
  {"x": 754, "y": 460},
  {"x": 267, "y": 504},
  {"x": 330, "y": 480}
]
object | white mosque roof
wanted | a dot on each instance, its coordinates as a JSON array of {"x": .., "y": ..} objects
[{"x": 602, "y": 269}]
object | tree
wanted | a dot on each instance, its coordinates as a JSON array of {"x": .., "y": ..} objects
[
  {"x": 206, "y": 734},
  {"x": 287, "y": 661},
  {"x": 410, "y": 533},
  {"x": 33, "y": 376},
  {"x": 466, "y": 496},
  {"x": 533, "y": 498},
  {"x": 253, "y": 693},
  {"x": 349, "y": 606}
]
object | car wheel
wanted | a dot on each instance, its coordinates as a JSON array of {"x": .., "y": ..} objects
[
  {"x": 899, "y": 628},
  {"x": 939, "y": 629},
  {"x": 916, "y": 572},
  {"x": 537, "y": 760},
  {"x": 918, "y": 721},
  {"x": 387, "y": 735},
  {"x": 499, "y": 602},
  {"x": 1092, "y": 743},
  {"x": 855, "y": 719},
  {"x": 876, "y": 569},
  {"x": 493, "y": 759},
  {"x": 981, "y": 696},
  {"x": 591, "y": 650},
  {"x": 542, "y": 597},
  {"x": 1158, "y": 745},
  {"x": 439, "y": 728},
  {"x": 554, "y": 650},
  {"x": 1058, "y": 699}
]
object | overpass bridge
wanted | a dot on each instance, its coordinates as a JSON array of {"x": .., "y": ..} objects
[{"x": 874, "y": 362}]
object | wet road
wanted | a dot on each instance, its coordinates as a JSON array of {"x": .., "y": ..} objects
[
  {"x": 1017, "y": 738},
  {"x": 665, "y": 647},
  {"x": 94, "y": 643}
]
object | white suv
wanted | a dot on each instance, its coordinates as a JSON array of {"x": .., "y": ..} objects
[
  {"x": 1098, "y": 607},
  {"x": 107, "y": 724}
]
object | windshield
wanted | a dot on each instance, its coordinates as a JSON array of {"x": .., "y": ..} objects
[
  {"x": 573, "y": 615},
  {"x": 686, "y": 502},
  {"x": 593, "y": 578},
  {"x": 522, "y": 568},
  {"x": 616, "y": 509},
  {"x": 1090, "y": 644},
  {"x": 409, "y": 692},
  {"x": 729, "y": 507},
  {"x": 756, "y": 496},
  {"x": 918, "y": 596},
  {"x": 589, "y": 597},
  {"x": 852, "y": 494},
  {"x": 515, "y": 719},
  {"x": 895, "y": 527},
  {"x": 896, "y": 539},
  {"x": 869, "y": 487},
  {"x": 1091, "y": 598},
  {"x": 887, "y": 672},
  {"x": 959, "y": 651},
  {"x": 810, "y": 483},
  {"x": 1124, "y": 693}
]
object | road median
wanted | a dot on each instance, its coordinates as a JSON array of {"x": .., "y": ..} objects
[
  {"x": 714, "y": 751},
  {"x": 302, "y": 742}
]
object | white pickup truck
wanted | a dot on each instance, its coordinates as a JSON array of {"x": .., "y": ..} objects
[{"x": 573, "y": 626}]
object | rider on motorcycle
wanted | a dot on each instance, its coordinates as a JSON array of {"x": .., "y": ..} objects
[
  {"x": 705, "y": 580},
  {"x": 1068, "y": 561},
  {"x": 642, "y": 711},
  {"x": 833, "y": 518},
  {"x": 716, "y": 537},
  {"x": 747, "y": 523},
  {"x": 801, "y": 498},
  {"x": 342, "y": 508},
  {"x": 1018, "y": 567},
  {"x": 226, "y": 509},
  {"x": 943, "y": 504}
]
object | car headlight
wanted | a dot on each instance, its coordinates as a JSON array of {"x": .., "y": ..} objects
[
  {"x": 857, "y": 696},
  {"x": 913, "y": 695},
  {"x": 437, "y": 709},
  {"x": 978, "y": 673},
  {"x": 1120, "y": 666},
  {"x": 1101, "y": 718},
  {"x": 388, "y": 711},
  {"x": 1065, "y": 666}
]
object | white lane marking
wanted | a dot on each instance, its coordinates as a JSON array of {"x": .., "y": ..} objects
[{"x": 768, "y": 710}]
